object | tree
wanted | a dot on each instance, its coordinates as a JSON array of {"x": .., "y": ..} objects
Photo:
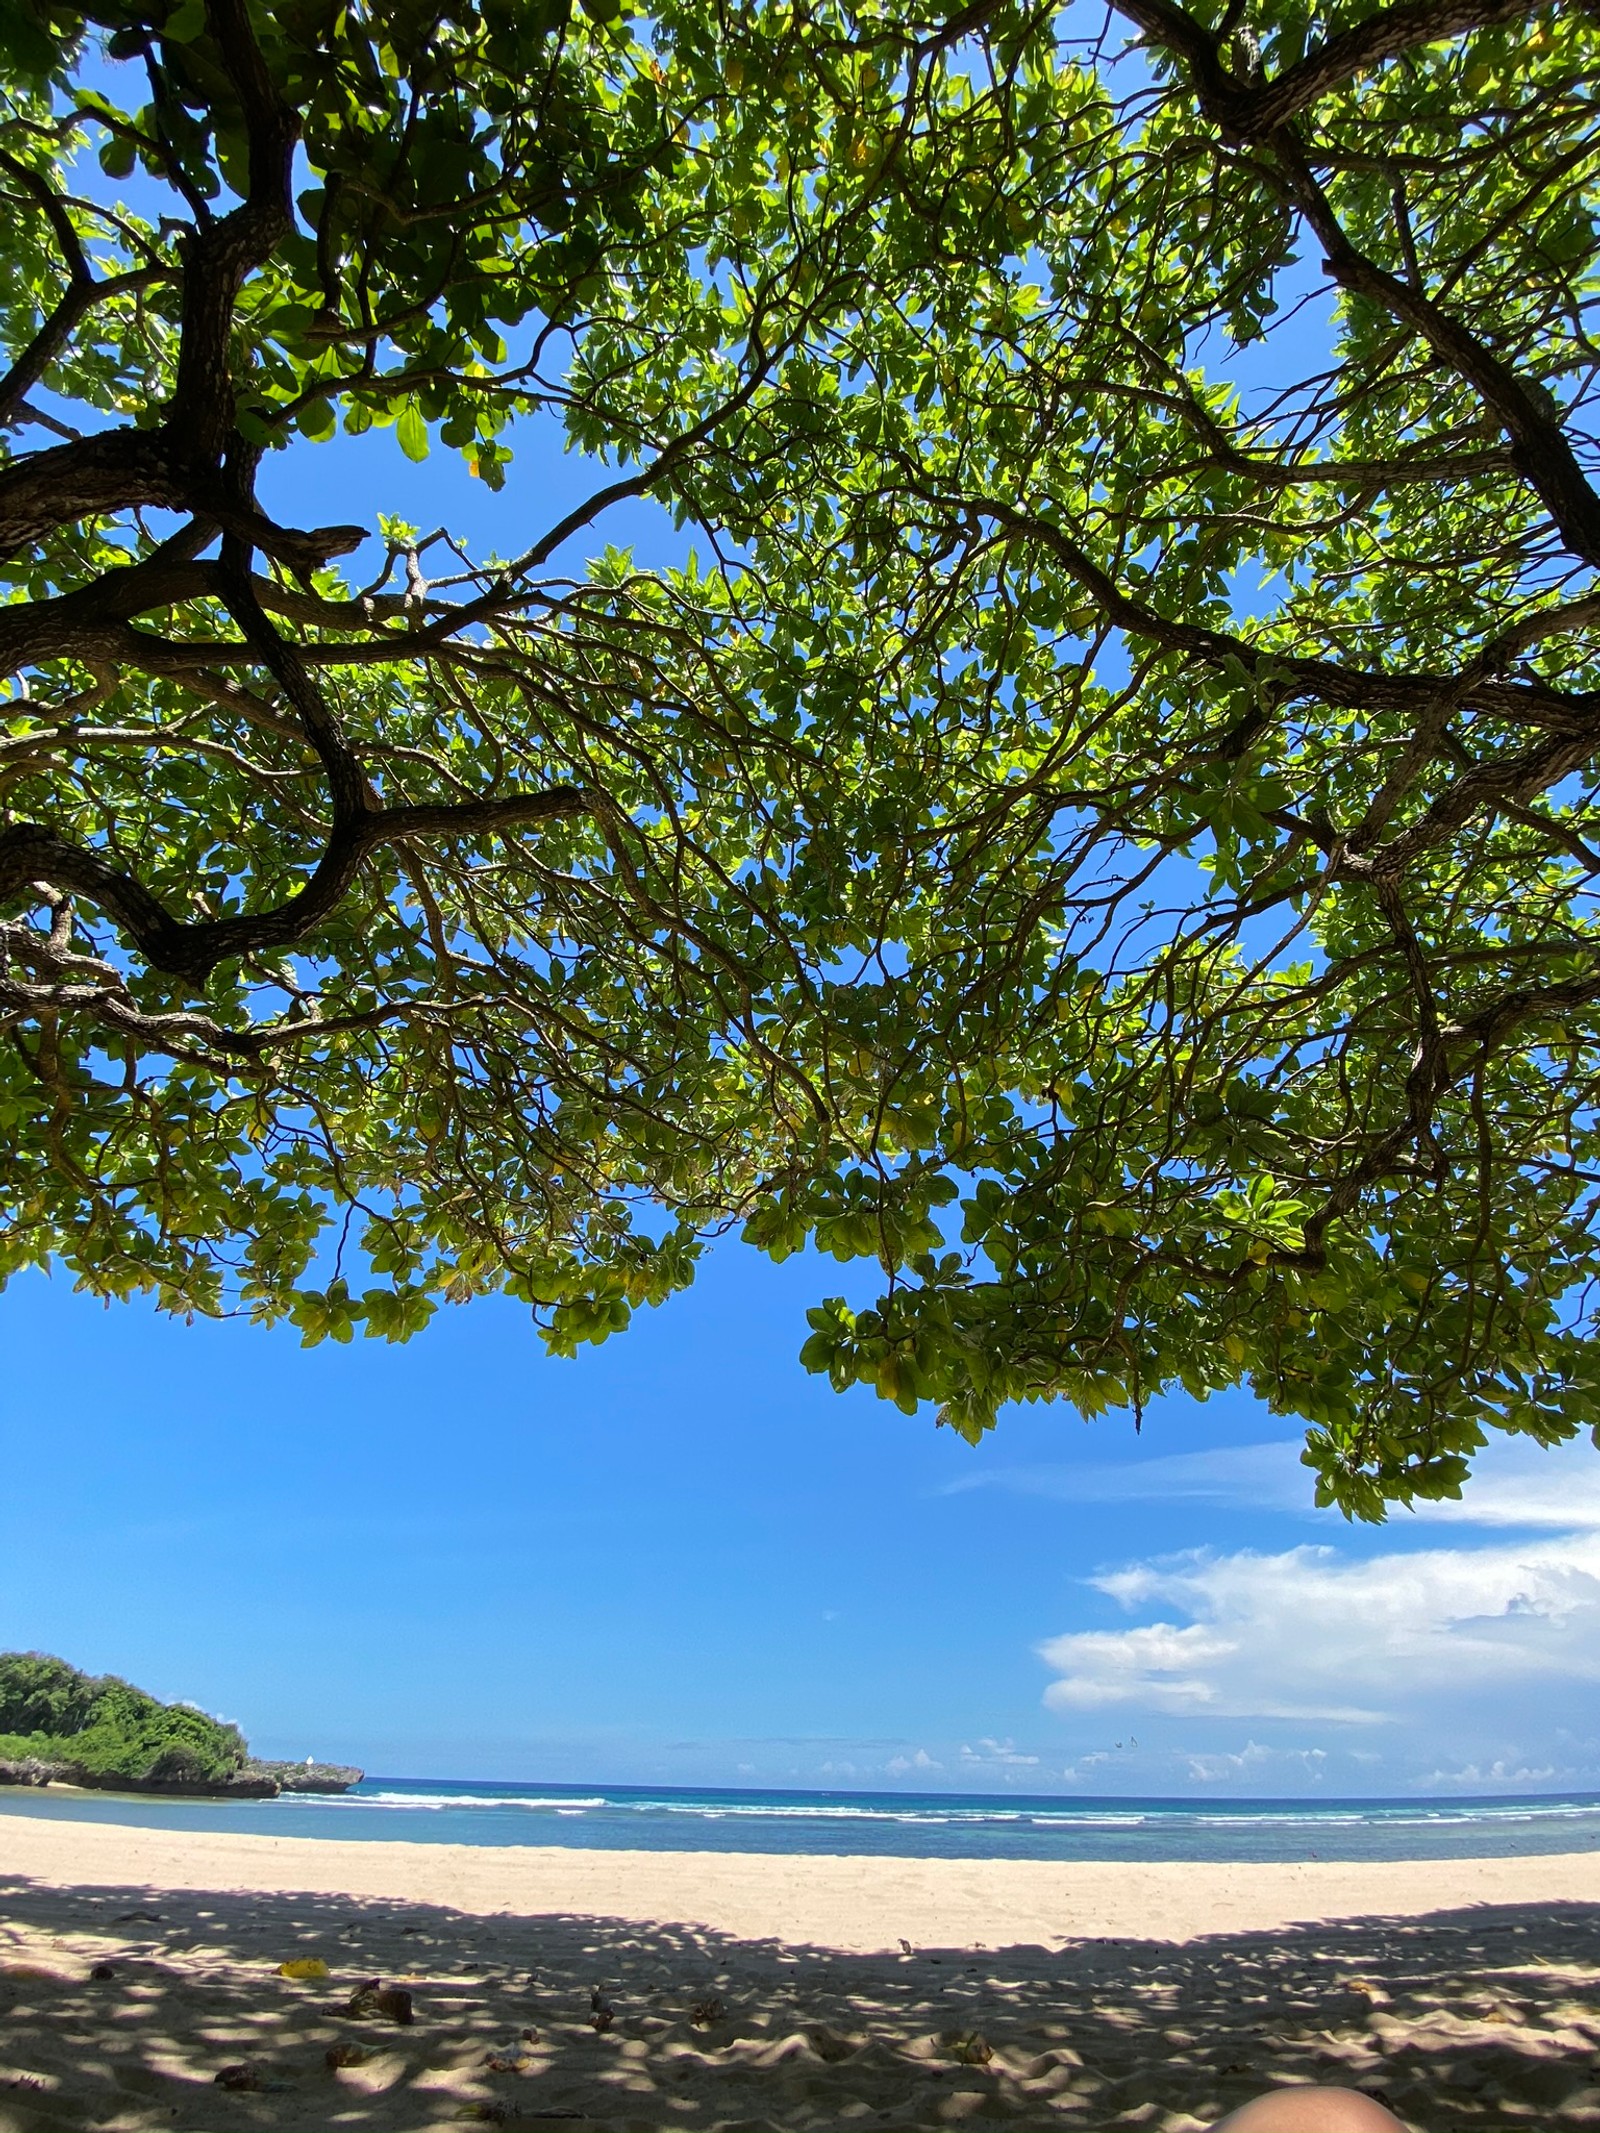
[
  {"x": 1242, "y": 520},
  {"x": 105, "y": 1731},
  {"x": 1119, "y": 770},
  {"x": 396, "y": 902}
]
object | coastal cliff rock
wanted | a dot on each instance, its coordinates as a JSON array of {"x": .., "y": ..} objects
[
  {"x": 236, "y": 1785},
  {"x": 306, "y": 1777},
  {"x": 28, "y": 1770},
  {"x": 256, "y": 1781},
  {"x": 36, "y": 1770}
]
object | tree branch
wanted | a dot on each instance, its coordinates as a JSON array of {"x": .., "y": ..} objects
[
  {"x": 1260, "y": 113},
  {"x": 31, "y": 851},
  {"x": 1539, "y": 447},
  {"x": 79, "y": 298},
  {"x": 1572, "y": 713},
  {"x": 1249, "y": 111}
]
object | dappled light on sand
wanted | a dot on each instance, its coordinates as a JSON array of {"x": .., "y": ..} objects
[{"x": 128, "y": 2010}]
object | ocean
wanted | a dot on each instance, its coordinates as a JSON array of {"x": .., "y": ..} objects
[{"x": 900, "y": 1824}]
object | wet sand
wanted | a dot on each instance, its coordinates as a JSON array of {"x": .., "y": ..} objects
[{"x": 719, "y": 1991}]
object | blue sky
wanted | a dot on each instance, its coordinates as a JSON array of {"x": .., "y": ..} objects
[{"x": 681, "y": 1559}]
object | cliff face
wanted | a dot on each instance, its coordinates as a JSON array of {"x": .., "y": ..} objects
[
  {"x": 60, "y": 1726},
  {"x": 306, "y": 1777},
  {"x": 255, "y": 1781},
  {"x": 44, "y": 1770}
]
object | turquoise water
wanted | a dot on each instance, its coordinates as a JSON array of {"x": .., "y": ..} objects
[{"x": 911, "y": 1825}]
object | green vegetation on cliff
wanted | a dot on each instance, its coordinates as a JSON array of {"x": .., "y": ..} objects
[{"x": 104, "y": 1728}]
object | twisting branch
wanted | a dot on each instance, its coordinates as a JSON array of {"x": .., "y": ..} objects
[
  {"x": 1575, "y": 712},
  {"x": 29, "y": 852},
  {"x": 177, "y": 465},
  {"x": 1252, "y": 110},
  {"x": 1539, "y": 447},
  {"x": 1259, "y": 113}
]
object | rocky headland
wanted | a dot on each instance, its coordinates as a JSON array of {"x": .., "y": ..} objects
[
  {"x": 253, "y": 1781},
  {"x": 59, "y": 1726}
]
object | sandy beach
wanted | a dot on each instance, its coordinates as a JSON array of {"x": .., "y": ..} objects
[{"x": 721, "y": 1991}]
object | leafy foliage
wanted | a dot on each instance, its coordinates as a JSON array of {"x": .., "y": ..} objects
[
  {"x": 1102, "y": 829},
  {"x": 106, "y": 1728}
]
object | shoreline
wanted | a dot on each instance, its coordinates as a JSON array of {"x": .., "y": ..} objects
[
  {"x": 854, "y": 1903},
  {"x": 153, "y": 1981}
]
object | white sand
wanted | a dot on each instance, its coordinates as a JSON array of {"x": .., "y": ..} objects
[
  {"x": 860, "y": 1904},
  {"x": 1467, "y": 1993}
]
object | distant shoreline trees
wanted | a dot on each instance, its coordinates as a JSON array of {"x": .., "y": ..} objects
[
  {"x": 1105, "y": 827},
  {"x": 104, "y": 1728},
  {"x": 60, "y": 1725}
]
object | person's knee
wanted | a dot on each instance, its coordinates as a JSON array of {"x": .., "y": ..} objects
[{"x": 1310, "y": 2110}]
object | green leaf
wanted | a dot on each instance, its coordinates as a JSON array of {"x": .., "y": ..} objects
[
  {"x": 186, "y": 22},
  {"x": 118, "y": 156},
  {"x": 412, "y": 432}
]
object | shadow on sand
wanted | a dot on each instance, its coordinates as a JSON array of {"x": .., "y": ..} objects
[{"x": 1481, "y": 2018}]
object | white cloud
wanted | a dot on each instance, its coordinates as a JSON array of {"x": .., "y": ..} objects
[
  {"x": 1253, "y": 1758},
  {"x": 991, "y": 1754},
  {"x": 1310, "y": 1634},
  {"x": 1422, "y": 1655},
  {"x": 1521, "y": 1484},
  {"x": 1269, "y": 1476},
  {"x": 1162, "y": 1667},
  {"x": 1498, "y": 1776},
  {"x": 904, "y": 1765},
  {"x": 1514, "y": 1483}
]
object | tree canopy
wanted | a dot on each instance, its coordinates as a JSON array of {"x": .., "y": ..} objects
[
  {"x": 102, "y": 1728},
  {"x": 1101, "y": 823}
]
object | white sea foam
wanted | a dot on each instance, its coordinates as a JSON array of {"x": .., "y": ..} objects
[
  {"x": 437, "y": 1800},
  {"x": 1066, "y": 1816},
  {"x": 972, "y": 1826}
]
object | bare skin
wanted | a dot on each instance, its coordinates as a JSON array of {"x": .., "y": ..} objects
[{"x": 1310, "y": 2110}]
